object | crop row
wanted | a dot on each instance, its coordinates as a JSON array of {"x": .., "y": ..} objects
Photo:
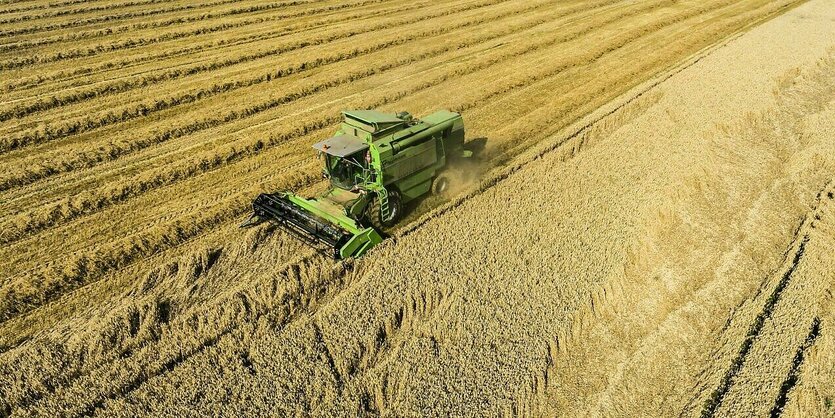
[
  {"x": 39, "y": 6},
  {"x": 23, "y": 9},
  {"x": 445, "y": 47},
  {"x": 110, "y": 18},
  {"x": 120, "y": 63},
  {"x": 55, "y": 280},
  {"x": 174, "y": 229},
  {"x": 143, "y": 109},
  {"x": 134, "y": 27},
  {"x": 58, "y": 13},
  {"x": 126, "y": 85},
  {"x": 131, "y": 43},
  {"x": 137, "y": 42}
]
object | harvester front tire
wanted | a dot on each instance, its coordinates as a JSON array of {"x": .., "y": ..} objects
[{"x": 374, "y": 212}]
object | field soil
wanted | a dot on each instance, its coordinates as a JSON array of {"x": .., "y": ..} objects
[{"x": 648, "y": 230}]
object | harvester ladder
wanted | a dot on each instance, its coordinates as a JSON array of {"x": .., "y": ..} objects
[{"x": 384, "y": 203}]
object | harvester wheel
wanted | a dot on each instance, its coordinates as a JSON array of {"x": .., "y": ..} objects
[
  {"x": 375, "y": 215},
  {"x": 440, "y": 186}
]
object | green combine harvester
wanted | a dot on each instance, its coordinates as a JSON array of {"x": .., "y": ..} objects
[{"x": 376, "y": 162}]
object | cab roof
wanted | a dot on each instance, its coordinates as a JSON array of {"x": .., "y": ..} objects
[{"x": 341, "y": 146}]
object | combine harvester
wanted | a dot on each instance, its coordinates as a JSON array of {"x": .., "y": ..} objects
[{"x": 376, "y": 162}]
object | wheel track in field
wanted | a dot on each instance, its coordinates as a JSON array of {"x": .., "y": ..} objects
[
  {"x": 124, "y": 86},
  {"x": 252, "y": 147},
  {"x": 227, "y": 42},
  {"x": 794, "y": 373},
  {"x": 199, "y": 350},
  {"x": 122, "y": 257},
  {"x": 793, "y": 257}
]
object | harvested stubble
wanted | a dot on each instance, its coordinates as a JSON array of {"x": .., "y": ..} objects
[
  {"x": 462, "y": 70},
  {"x": 506, "y": 323},
  {"x": 708, "y": 319}
]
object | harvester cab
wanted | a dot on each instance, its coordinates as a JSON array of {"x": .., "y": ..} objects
[
  {"x": 376, "y": 163},
  {"x": 347, "y": 162}
]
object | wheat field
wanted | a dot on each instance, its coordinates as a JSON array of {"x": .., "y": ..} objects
[{"x": 649, "y": 230}]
